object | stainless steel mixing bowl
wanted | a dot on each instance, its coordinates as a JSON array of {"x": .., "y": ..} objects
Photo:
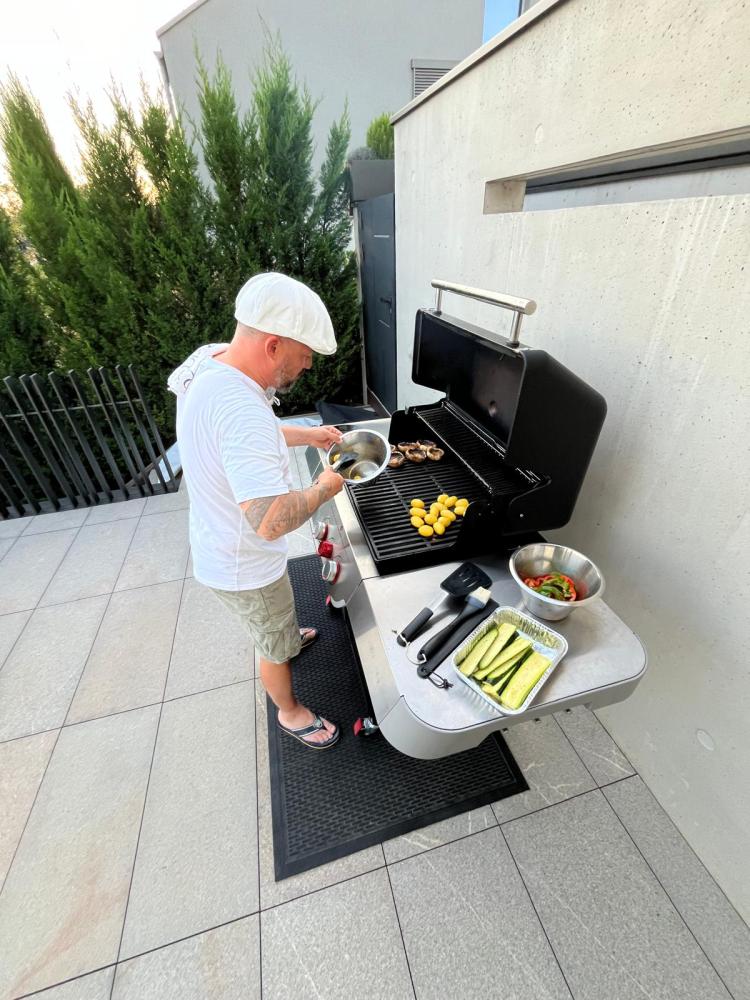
[
  {"x": 373, "y": 454},
  {"x": 547, "y": 557}
]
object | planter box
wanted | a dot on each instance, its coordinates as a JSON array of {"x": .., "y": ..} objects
[{"x": 370, "y": 178}]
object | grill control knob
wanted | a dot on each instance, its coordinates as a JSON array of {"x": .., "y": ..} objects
[
  {"x": 330, "y": 570},
  {"x": 325, "y": 550},
  {"x": 321, "y": 531}
]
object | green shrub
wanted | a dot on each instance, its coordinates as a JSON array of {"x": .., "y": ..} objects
[
  {"x": 380, "y": 137},
  {"x": 25, "y": 333},
  {"x": 141, "y": 262}
]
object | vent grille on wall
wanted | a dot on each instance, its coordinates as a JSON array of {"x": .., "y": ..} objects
[{"x": 425, "y": 72}]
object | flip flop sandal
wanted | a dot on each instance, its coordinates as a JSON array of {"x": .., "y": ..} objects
[
  {"x": 309, "y": 635},
  {"x": 316, "y": 725}
]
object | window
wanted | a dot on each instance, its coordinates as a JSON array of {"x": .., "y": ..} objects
[{"x": 424, "y": 72}]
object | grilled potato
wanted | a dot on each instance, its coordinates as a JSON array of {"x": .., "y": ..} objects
[
  {"x": 426, "y": 531},
  {"x": 439, "y": 528},
  {"x": 430, "y": 518},
  {"x": 418, "y": 523},
  {"x": 417, "y": 503}
]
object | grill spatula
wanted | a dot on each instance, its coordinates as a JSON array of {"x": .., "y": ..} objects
[
  {"x": 477, "y": 599},
  {"x": 460, "y": 583}
]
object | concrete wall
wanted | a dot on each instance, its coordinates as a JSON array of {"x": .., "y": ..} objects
[
  {"x": 650, "y": 303},
  {"x": 361, "y": 53}
]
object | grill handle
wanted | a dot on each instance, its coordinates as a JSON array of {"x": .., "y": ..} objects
[{"x": 519, "y": 307}]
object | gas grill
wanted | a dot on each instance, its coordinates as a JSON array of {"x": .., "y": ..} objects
[{"x": 518, "y": 430}]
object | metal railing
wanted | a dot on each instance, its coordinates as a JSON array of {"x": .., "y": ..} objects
[{"x": 70, "y": 441}]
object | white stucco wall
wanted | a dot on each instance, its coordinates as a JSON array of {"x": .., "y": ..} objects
[
  {"x": 650, "y": 303},
  {"x": 356, "y": 52}
]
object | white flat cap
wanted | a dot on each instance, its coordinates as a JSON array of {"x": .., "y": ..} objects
[{"x": 276, "y": 303}]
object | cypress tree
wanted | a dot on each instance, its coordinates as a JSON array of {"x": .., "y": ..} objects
[{"x": 25, "y": 341}]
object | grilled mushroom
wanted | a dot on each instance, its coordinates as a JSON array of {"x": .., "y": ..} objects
[
  {"x": 424, "y": 445},
  {"x": 435, "y": 453},
  {"x": 415, "y": 455},
  {"x": 405, "y": 446},
  {"x": 397, "y": 460}
]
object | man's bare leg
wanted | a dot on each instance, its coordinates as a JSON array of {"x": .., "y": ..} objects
[{"x": 277, "y": 680}]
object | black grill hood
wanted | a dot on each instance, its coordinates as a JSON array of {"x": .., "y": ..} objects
[{"x": 531, "y": 410}]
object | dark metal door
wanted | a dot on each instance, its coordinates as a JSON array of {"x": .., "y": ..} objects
[{"x": 378, "y": 276}]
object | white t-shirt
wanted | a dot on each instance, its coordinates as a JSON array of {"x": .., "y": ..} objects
[{"x": 232, "y": 450}]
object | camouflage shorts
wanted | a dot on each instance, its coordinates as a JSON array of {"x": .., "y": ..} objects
[{"x": 269, "y": 616}]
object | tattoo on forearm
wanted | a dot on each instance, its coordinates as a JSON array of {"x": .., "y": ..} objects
[{"x": 272, "y": 517}]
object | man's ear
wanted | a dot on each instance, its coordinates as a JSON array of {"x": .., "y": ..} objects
[{"x": 272, "y": 347}]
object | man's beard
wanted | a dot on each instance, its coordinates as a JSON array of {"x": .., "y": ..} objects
[{"x": 285, "y": 384}]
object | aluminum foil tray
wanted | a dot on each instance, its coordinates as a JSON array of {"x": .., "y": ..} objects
[{"x": 544, "y": 640}]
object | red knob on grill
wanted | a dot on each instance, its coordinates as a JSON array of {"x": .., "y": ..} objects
[
  {"x": 325, "y": 550},
  {"x": 321, "y": 531}
]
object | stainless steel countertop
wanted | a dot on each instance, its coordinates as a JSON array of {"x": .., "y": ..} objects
[{"x": 602, "y": 651}]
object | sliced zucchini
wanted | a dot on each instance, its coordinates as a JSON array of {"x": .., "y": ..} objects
[
  {"x": 470, "y": 664},
  {"x": 524, "y": 680},
  {"x": 504, "y": 634},
  {"x": 520, "y": 645}
]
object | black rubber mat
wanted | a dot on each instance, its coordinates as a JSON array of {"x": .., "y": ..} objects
[{"x": 327, "y": 804}]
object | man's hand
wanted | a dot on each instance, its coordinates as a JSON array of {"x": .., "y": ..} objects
[
  {"x": 331, "y": 482},
  {"x": 318, "y": 437},
  {"x": 324, "y": 437}
]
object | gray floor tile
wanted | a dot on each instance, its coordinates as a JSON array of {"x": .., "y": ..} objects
[
  {"x": 166, "y": 502},
  {"x": 551, "y": 767},
  {"x": 222, "y": 964},
  {"x": 613, "y": 928},
  {"x": 28, "y": 568},
  {"x": 58, "y": 521},
  {"x": 338, "y": 943},
  {"x": 438, "y": 834},
  {"x": 40, "y": 676},
  {"x": 720, "y": 931},
  {"x": 11, "y": 626},
  {"x": 116, "y": 511},
  {"x": 128, "y": 664},
  {"x": 469, "y": 927},
  {"x": 12, "y": 527},
  {"x": 595, "y": 746},
  {"x": 95, "y": 986},
  {"x": 189, "y": 567},
  {"x": 6, "y": 544},
  {"x": 63, "y": 904},
  {"x": 271, "y": 891},
  {"x": 159, "y": 551},
  {"x": 211, "y": 646},
  {"x": 197, "y": 863},
  {"x": 92, "y": 562},
  {"x": 22, "y": 764}
]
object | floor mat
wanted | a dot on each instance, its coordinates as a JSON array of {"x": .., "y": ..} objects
[{"x": 331, "y": 803}]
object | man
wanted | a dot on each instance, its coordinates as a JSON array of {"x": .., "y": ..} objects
[{"x": 235, "y": 458}]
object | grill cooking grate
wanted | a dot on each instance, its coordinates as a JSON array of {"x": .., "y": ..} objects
[
  {"x": 480, "y": 456},
  {"x": 382, "y": 506}
]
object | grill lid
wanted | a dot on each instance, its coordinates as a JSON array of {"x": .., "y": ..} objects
[{"x": 533, "y": 413}]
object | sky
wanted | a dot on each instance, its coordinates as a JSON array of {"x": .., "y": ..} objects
[{"x": 61, "y": 45}]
